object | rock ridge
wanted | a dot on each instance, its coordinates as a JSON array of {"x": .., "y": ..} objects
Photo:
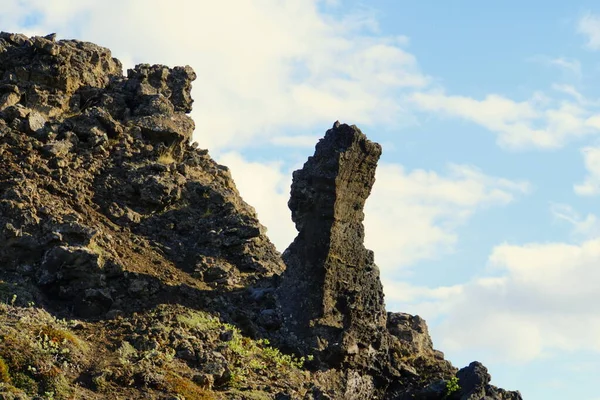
[{"x": 130, "y": 266}]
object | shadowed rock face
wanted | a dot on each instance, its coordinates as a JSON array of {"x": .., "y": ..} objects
[
  {"x": 474, "y": 382},
  {"x": 331, "y": 294}
]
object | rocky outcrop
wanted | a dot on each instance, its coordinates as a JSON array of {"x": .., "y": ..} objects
[
  {"x": 474, "y": 382},
  {"x": 103, "y": 202},
  {"x": 42, "y": 75},
  {"x": 331, "y": 294},
  {"x": 109, "y": 215}
]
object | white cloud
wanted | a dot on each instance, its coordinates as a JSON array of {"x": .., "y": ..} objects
[
  {"x": 413, "y": 215},
  {"x": 538, "y": 299},
  {"x": 264, "y": 68},
  {"x": 295, "y": 141},
  {"x": 589, "y": 26},
  {"x": 265, "y": 186},
  {"x": 531, "y": 123},
  {"x": 568, "y": 64},
  {"x": 582, "y": 227},
  {"x": 571, "y": 91},
  {"x": 591, "y": 184},
  {"x": 432, "y": 302}
]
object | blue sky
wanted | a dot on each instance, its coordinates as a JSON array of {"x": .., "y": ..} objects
[{"x": 483, "y": 218}]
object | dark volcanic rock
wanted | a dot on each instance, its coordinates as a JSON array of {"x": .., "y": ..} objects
[
  {"x": 474, "y": 382},
  {"x": 107, "y": 213},
  {"x": 331, "y": 294},
  {"x": 46, "y": 72},
  {"x": 102, "y": 200}
]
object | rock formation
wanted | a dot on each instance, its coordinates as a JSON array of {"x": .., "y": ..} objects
[
  {"x": 108, "y": 162},
  {"x": 130, "y": 267},
  {"x": 331, "y": 294}
]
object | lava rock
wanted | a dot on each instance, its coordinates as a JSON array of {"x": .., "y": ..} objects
[{"x": 330, "y": 294}]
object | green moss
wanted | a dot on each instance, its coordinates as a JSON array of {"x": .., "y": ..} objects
[
  {"x": 199, "y": 320},
  {"x": 39, "y": 352},
  {"x": 4, "y": 375},
  {"x": 127, "y": 353},
  {"x": 56, "y": 386},
  {"x": 25, "y": 383},
  {"x": 103, "y": 255},
  {"x": 251, "y": 394},
  {"x": 176, "y": 384},
  {"x": 16, "y": 351}
]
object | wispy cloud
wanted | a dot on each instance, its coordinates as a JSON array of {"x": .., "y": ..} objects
[
  {"x": 591, "y": 184},
  {"x": 414, "y": 215},
  {"x": 571, "y": 65},
  {"x": 585, "y": 227},
  {"x": 526, "y": 124},
  {"x": 571, "y": 91},
  {"x": 572, "y": 69},
  {"x": 589, "y": 26}
]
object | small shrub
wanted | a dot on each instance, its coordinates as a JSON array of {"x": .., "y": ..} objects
[
  {"x": 189, "y": 390},
  {"x": 166, "y": 155},
  {"x": 59, "y": 335},
  {"x": 452, "y": 386},
  {"x": 4, "y": 375}
]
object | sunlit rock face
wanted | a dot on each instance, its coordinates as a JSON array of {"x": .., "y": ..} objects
[
  {"x": 110, "y": 219},
  {"x": 103, "y": 201}
]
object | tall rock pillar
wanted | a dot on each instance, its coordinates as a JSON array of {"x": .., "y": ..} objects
[{"x": 331, "y": 295}]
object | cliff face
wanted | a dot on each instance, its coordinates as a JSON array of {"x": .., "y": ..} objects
[{"x": 130, "y": 267}]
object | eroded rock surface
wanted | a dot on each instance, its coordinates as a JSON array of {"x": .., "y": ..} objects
[
  {"x": 103, "y": 202},
  {"x": 109, "y": 215},
  {"x": 474, "y": 382},
  {"x": 331, "y": 294}
]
